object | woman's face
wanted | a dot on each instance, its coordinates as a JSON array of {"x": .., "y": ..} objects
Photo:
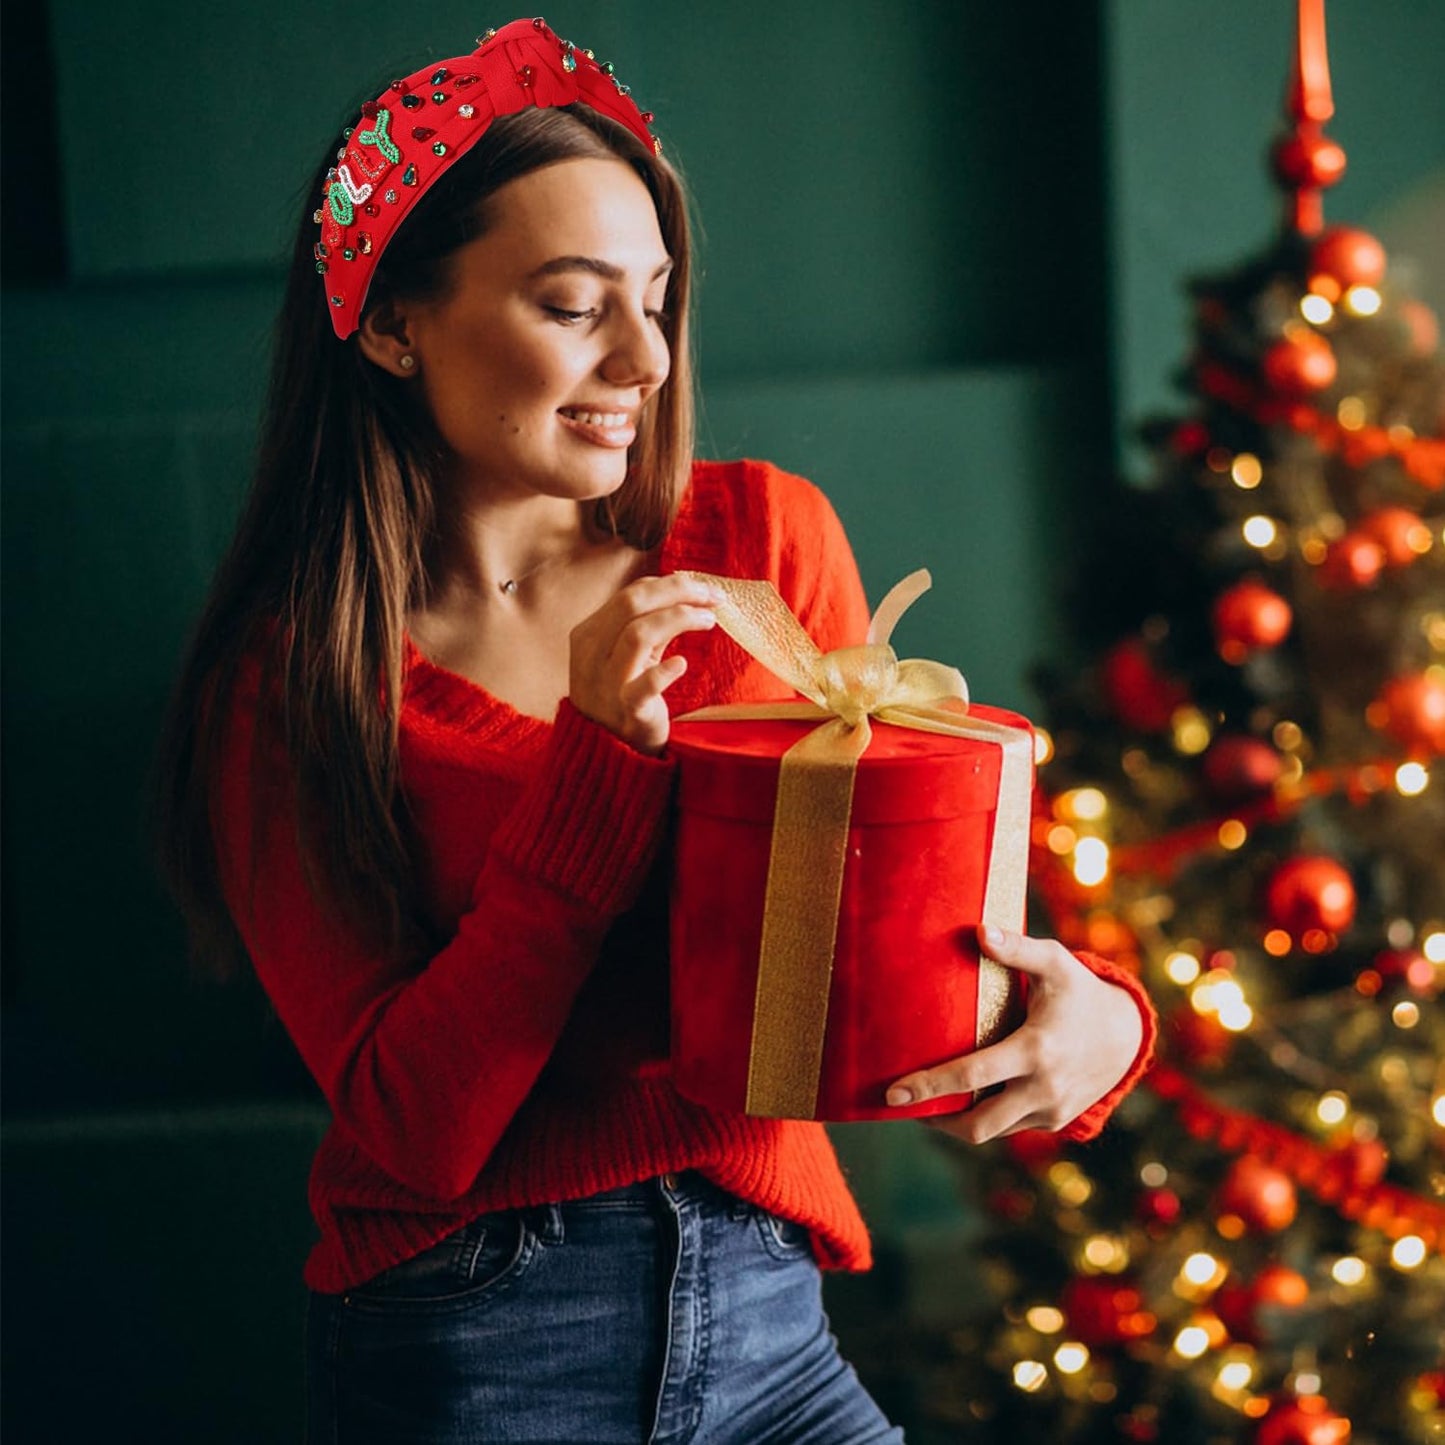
[{"x": 537, "y": 362}]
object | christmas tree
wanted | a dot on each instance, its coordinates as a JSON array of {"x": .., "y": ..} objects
[{"x": 1242, "y": 795}]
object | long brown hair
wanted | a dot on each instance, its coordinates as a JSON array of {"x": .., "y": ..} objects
[{"x": 328, "y": 555}]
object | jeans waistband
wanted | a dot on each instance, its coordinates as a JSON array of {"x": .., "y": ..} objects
[
  {"x": 685, "y": 1189},
  {"x": 686, "y": 1186}
]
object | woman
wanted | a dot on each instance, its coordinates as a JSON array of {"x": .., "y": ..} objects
[{"x": 421, "y": 779}]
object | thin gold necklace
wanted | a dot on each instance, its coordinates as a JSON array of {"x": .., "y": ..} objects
[{"x": 508, "y": 587}]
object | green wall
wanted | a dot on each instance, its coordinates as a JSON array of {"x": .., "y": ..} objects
[{"x": 921, "y": 224}]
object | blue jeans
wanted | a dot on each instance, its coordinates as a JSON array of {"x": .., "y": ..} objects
[{"x": 667, "y": 1311}]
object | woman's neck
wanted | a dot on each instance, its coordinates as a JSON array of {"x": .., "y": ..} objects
[
  {"x": 507, "y": 579},
  {"x": 490, "y": 550}
]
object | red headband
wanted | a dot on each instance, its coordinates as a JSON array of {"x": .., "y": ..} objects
[{"x": 421, "y": 126}]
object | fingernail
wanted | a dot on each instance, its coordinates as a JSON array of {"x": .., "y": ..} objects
[
  {"x": 993, "y": 936},
  {"x": 899, "y": 1095}
]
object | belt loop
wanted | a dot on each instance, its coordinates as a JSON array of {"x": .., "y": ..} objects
[{"x": 547, "y": 1223}]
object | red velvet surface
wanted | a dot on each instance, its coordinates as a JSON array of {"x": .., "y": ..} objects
[{"x": 905, "y": 968}]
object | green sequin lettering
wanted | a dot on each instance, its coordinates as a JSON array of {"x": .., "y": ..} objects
[
  {"x": 340, "y": 203},
  {"x": 380, "y": 139}
]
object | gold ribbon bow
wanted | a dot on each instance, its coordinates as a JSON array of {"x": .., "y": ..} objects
[{"x": 845, "y": 689}]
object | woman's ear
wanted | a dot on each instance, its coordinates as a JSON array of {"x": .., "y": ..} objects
[{"x": 385, "y": 339}]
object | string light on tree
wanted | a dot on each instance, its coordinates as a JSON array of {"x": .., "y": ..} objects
[
  {"x": 1362, "y": 300},
  {"x": 1411, "y": 779},
  {"x": 1260, "y": 531}
]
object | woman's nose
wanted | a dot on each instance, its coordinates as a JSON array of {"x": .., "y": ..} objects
[{"x": 639, "y": 355}]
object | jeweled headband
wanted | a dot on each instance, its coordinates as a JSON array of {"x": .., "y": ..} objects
[{"x": 421, "y": 126}]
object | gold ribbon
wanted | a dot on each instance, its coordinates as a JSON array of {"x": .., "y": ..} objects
[{"x": 845, "y": 689}]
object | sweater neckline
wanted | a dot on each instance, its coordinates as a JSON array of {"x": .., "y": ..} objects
[{"x": 460, "y": 704}]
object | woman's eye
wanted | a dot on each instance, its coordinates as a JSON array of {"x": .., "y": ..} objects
[
  {"x": 659, "y": 316},
  {"x": 569, "y": 318}
]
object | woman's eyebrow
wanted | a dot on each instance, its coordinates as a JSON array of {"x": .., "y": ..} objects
[{"x": 593, "y": 264}]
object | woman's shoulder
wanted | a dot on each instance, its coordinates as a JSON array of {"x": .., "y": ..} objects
[
  {"x": 749, "y": 484},
  {"x": 748, "y": 518}
]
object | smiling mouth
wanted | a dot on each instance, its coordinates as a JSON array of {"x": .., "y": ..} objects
[
  {"x": 611, "y": 420},
  {"x": 600, "y": 428}
]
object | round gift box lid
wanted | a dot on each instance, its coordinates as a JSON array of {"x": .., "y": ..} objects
[{"x": 730, "y": 769}]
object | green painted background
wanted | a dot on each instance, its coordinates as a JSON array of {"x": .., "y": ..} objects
[{"x": 941, "y": 246}]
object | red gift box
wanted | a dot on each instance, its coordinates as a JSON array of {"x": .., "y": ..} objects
[
  {"x": 829, "y": 879},
  {"x": 904, "y": 988}
]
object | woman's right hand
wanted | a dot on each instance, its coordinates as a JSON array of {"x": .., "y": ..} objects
[{"x": 618, "y": 672}]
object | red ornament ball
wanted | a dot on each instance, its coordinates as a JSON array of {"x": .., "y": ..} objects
[
  {"x": 1310, "y": 892},
  {"x": 1398, "y": 532},
  {"x": 1308, "y": 160},
  {"x": 1105, "y": 1310},
  {"x": 1349, "y": 256},
  {"x": 1411, "y": 709},
  {"x": 1262, "y": 1196},
  {"x": 1299, "y": 365},
  {"x": 1237, "y": 768},
  {"x": 1410, "y": 965},
  {"x": 1139, "y": 693},
  {"x": 1307, "y": 1420},
  {"x": 1250, "y": 617},
  {"x": 1352, "y": 562}
]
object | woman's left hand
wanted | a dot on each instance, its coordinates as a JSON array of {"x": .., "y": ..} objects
[{"x": 1080, "y": 1037}]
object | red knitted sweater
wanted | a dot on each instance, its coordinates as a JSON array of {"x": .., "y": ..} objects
[{"x": 526, "y": 1060}]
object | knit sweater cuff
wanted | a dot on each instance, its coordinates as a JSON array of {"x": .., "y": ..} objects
[
  {"x": 590, "y": 823},
  {"x": 1093, "y": 1119}
]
